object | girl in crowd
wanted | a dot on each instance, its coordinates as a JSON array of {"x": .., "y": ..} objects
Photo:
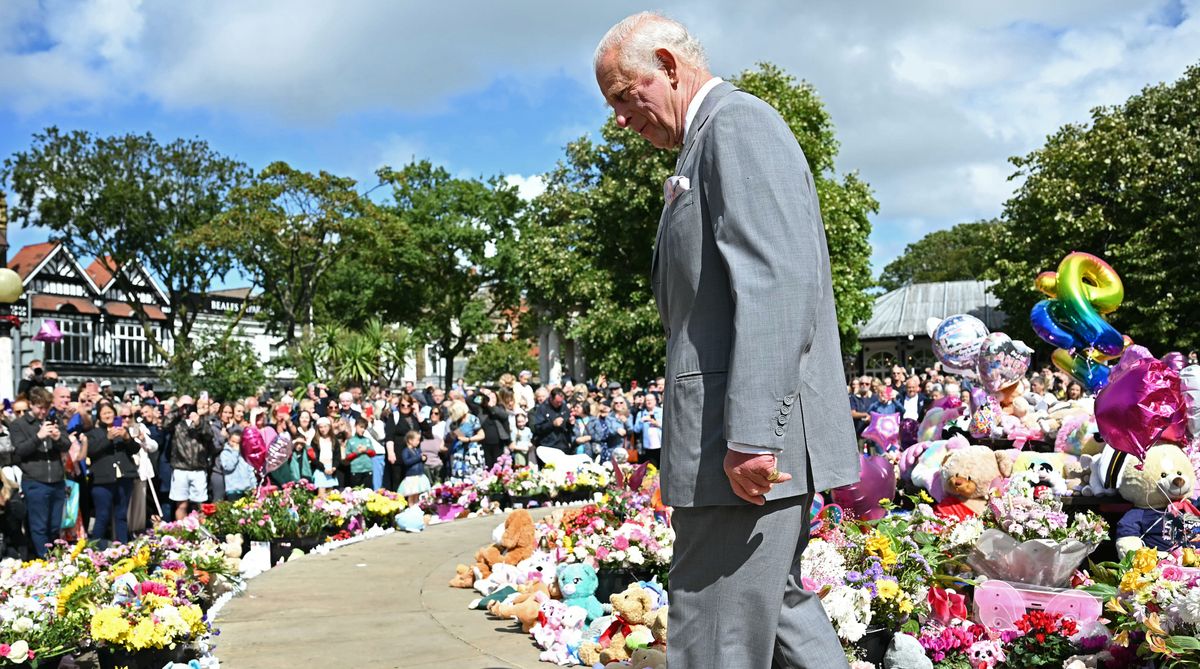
[
  {"x": 110, "y": 449},
  {"x": 327, "y": 452},
  {"x": 433, "y": 444},
  {"x": 414, "y": 482},
  {"x": 522, "y": 441},
  {"x": 306, "y": 426}
]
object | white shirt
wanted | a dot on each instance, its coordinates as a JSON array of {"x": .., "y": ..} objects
[
  {"x": 910, "y": 407},
  {"x": 694, "y": 105}
]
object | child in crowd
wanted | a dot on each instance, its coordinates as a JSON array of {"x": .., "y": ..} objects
[
  {"x": 413, "y": 460},
  {"x": 239, "y": 475},
  {"x": 359, "y": 453},
  {"x": 326, "y": 454},
  {"x": 522, "y": 440}
]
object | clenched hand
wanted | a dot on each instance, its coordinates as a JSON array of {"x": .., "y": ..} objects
[{"x": 752, "y": 476}]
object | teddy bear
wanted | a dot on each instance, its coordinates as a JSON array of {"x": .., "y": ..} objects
[
  {"x": 516, "y": 543},
  {"x": 524, "y": 608},
  {"x": 986, "y": 654},
  {"x": 967, "y": 477},
  {"x": 634, "y": 610},
  {"x": 502, "y": 608},
  {"x": 1161, "y": 492},
  {"x": 658, "y": 626},
  {"x": 558, "y": 632},
  {"x": 921, "y": 464},
  {"x": 577, "y": 583}
]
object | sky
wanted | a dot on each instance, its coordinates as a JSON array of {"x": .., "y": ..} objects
[{"x": 929, "y": 99}]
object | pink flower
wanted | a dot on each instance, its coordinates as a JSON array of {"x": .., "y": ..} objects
[
  {"x": 1173, "y": 573},
  {"x": 4, "y": 649},
  {"x": 620, "y": 543},
  {"x": 261, "y": 523},
  {"x": 601, "y": 553}
]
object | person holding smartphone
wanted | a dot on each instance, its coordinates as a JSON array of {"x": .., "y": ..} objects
[
  {"x": 110, "y": 448},
  {"x": 39, "y": 444}
]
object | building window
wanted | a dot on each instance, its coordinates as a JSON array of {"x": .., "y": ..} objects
[
  {"x": 880, "y": 364},
  {"x": 76, "y": 344},
  {"x": 130, "y": 346}
]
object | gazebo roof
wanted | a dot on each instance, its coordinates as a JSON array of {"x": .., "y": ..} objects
[{"x": 904, "y": 311}]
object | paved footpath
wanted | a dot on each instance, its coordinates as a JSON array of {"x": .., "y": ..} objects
[{"x": 381, "y": 603}]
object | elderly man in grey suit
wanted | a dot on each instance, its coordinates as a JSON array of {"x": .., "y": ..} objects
[{"x": 756, "y": 416}]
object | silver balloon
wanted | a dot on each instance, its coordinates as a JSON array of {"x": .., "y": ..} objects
[{"x": 619, "y": 455}]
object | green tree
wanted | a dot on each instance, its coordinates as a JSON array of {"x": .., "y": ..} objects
[
  {"x": 286, "y": 229},
  {"x": 965, "y": 251},
  {"x": 1125, "y": 187},
  {"x": 229, "y": 368},
  {"x": 587, "y": 242},
  {"x": 497, "y": 357},
  {"x": 449, "y": 246},
  {"x": 128, "y": 200}
]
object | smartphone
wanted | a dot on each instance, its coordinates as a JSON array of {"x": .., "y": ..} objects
[{"x": 118, "y": 421}]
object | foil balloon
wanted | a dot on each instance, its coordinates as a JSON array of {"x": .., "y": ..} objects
[
  {"x": 254, "y": 450},
  {"x": 278, "y": 452},
  {"x": 985, "y": 418},
  {"x": 884, "y": 431},
  {"x": 1001, "y": 362},
  {"x": 1189, "y": 379},
  {"x": 49, "y": 332},
  {"x": 936, "y": 419},
  {"x": 1174, "y": 360},
  {"x": 956, "y": 341},
  {"x": 1080, "y": 293},
  {"x": 1143, "y": 404},
  {"x": 821, "y": 514},
  {"x": 877, "y": 482}
]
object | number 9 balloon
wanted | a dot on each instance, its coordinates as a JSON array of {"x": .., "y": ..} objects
[{"x": 1082, "y": 290}]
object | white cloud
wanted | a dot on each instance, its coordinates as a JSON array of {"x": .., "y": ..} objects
[
  {"x": 929, "y": 98},
  {"x": 527, "y": 187}
]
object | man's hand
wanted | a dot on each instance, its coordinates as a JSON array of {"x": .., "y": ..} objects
[
  {"x": 558, "y": 422},
  {"x": 752, "y": 476}
]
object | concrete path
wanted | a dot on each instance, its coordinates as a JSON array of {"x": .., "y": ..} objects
[{"x": 382, "y": 603}]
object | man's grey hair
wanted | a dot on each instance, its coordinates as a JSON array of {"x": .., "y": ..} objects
[{"x": 637, "y": 37}]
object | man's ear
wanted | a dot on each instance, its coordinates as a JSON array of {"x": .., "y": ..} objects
[{"x": 666, "y": 60}]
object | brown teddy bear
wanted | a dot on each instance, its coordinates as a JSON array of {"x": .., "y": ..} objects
[
  {"x": 967, "y": 476},
  {"x": 515, "y": 544},
  {"x": 524, "y": 608},
  {"x": 635, "y": 614},
  {"x": 525, "y": 592}
]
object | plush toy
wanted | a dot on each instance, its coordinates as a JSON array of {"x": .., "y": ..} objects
[
  {"x": 1105, "y": 470},
  {"x": 516, "y": 543},
  {"x": 526, "y": 592},
  {"x": 1161, "y": 492},
  {"x": 524, "y": 608},
  {"x": 658, "y": 626},
  {"x": 647, "y": 658},
  {"x": 559, "y": 631},
  {"x": 634, "y": 612},
  {"x": 1043, "y": 472},
  {"x": 577, "y": 583},
  {"x": 967, "y": 475},
  {"x": 986, "y": 654},
  {"x": 1076, "y": 473},
  {"x": 921, "y": 464},
  {"x": 541, "y": 566}
]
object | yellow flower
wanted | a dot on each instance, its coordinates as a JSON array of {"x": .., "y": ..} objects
[
  {"x": 108, "y": 624},
  {"x": 1190, "y": 558},
  {"x": 71, "y": 588},
  {"x": 887, "y": 589},
  {"x": 1145, "y": 560},
  {"x": 143, "y": 635},
  {"x": 79, "y": 545},
  {"x": 1115, "y": 606},
  {"x": 194, "y": 618},
  {"x": 905, "y": 604},
  {"x": 877, "y": 542},
  {"x": 121, "y": 568},
  {"x": 143, "y": 557},
  {"x": 1122, "y": 639},
  {"x": 924, "y": 497},
  {"x": 1153, "y": 624},
  {"x": 1131, "y": 581},
  {"x": 888, "y": 557}
]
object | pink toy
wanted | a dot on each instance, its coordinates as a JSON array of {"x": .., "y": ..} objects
[
  {"x": 986, "y": 654},
  {"x": 1000, "y": 604}
]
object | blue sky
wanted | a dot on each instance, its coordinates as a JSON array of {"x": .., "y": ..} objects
[{"x": 929, "y": 100}]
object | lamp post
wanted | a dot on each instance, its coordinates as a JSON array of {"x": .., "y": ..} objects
[{"x": 10, "y": 292}]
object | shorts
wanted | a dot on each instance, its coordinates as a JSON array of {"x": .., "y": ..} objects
[{"x": 189, "y": 486}]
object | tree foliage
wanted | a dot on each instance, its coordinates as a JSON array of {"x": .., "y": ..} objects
[
  {"x": 332, "y": 351},
  {"x": 127, "y": 200},
  {"x": 229, "y": 368},
  {"x": 497, "y": 357},
  {"x": 1125, "y": 187},
  {"x": 588, "y": 241},
  {"x": 285, "y": 229},
  {"x": 965, "y": 251}
]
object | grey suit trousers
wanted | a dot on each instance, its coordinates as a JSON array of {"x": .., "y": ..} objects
[{"x": 736, "y": 599}]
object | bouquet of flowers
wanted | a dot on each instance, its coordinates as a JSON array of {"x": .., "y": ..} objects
[
  {"x": 1155, "y": 599},
  {"x": 381, "y": 508},
  {"x": 639, "y": 545},
  {"x": 1029, "y": 539},
  {"x": 526, "y": 482}
]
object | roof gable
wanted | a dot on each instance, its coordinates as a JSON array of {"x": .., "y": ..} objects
[
  {"x": 904, "y": 311},
  {"x": 30, "y": 257}
]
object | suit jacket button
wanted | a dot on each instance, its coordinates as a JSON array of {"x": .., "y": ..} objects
[
  {"x": 785, "y": 409},
  {"x": 788, "y": 399},
  {"x": 668, "y": 333},
  {"x": 779, "y": 431},
  {"x": 783, "y": 420}
]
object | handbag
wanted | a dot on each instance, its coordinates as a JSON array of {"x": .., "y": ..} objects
[{"x": 71, "y": 505}]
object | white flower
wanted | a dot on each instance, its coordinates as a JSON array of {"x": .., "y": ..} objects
[
  {"x": 18, "y": 652},
  {"x": 1188, "y": 607},
  {"x": 22, "y": 625},
  {"x": 966, "y": 532},
  {"x": 634, "y": 555}
]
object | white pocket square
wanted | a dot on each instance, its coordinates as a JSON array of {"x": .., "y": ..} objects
[{"x": 674, "y": 187}]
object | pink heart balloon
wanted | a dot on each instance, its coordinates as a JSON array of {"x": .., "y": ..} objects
[
  {"x": 1001, "y": 361},
  {"x": 877, "y": 481},
  {"x": 278, "y": 452},
  {"x": 1142, "y": 404},
  {"x": 254, "y": 450}
]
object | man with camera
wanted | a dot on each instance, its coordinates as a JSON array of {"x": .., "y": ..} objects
[
  {"x": 191, "y": 451},
  {"x": 40, "y": 443}
]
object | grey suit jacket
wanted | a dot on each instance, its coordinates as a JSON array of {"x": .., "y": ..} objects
[{"x": 742, "y": 280}]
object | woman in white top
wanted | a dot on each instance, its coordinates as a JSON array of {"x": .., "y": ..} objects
[{"x": 328, "y": 449}]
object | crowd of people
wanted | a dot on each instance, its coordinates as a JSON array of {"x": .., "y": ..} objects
[
  {"x": 89, "y": 461},
  {"x": 912, "y": 394}
]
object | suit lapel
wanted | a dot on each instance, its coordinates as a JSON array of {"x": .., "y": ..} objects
[{"x": 702, "y": 115}]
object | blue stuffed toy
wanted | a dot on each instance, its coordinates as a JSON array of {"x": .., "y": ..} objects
[{"x": 577, "y": 583}]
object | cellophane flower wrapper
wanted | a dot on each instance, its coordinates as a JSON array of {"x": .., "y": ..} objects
[{"x": 1040, "y": 562}]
